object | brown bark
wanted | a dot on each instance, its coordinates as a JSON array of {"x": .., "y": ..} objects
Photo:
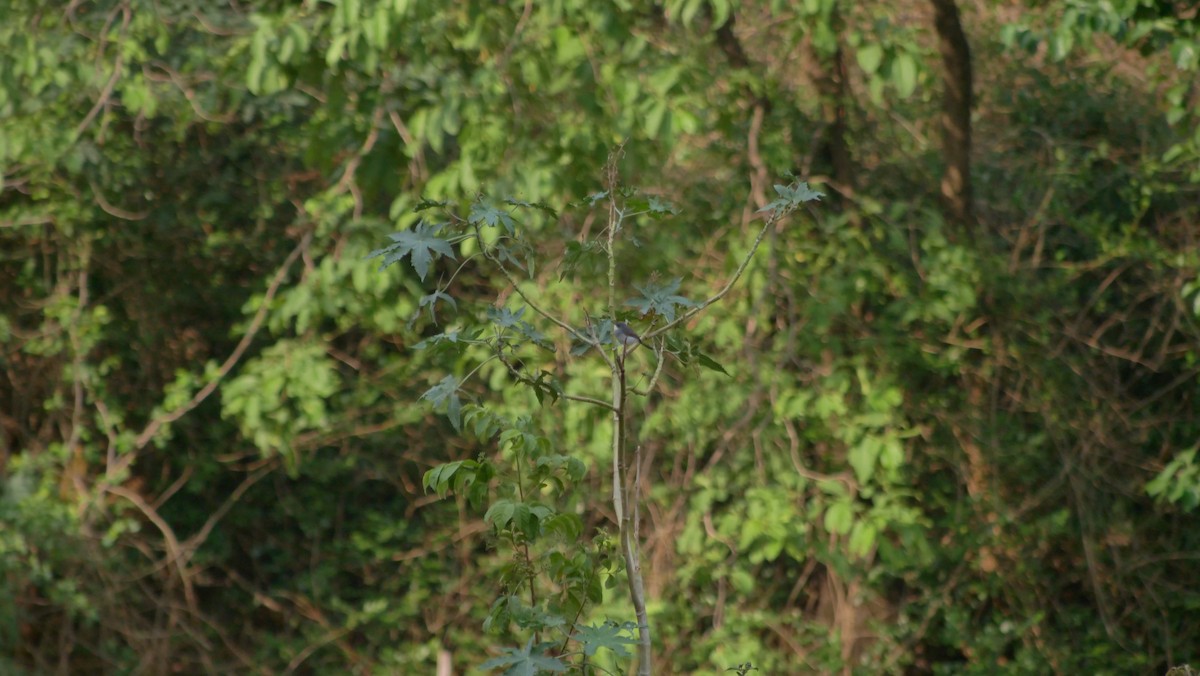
[
  {"x": 956, "y": 114},
  {"x": 760, "y": 105},
  {"x": 730, "y": 45},
  {"x": 832, "y": 85},
  {"x": 843, "y": 167}
]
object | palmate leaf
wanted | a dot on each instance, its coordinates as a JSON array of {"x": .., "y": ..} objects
[
  {"x": 443, "y": 391},
  {"x": 453, "y": 340},
  {"x": 431, "y": 301},
  {"x": 545, "y": 385},
  {"x": 483, "y": 211},
  {"x": 661, "y": 299},
  {"x": 504, "y": 317},
  {"x": 507, "y": 319},
  {"x": 508, "y": 254},
  {"x": 656, "y": 207},
  {"x": 526, "y": 661},
  {"x": 427, "y": 203},
  {"x": 608, "y": 635},
  {"x": 445, "y": 394},
  {"x": 660, "y": 208},
  {"x": 419, "y": 244},
  {"x": 792, "y": 196},
  {"x": 578, "y": 253},
  {"x": 541, "y": 206}
]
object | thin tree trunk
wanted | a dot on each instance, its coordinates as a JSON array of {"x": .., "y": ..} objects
[
  {"x": 832, "y": 84},
  {"x": 957, "y": 99},
  {"x": 626, "y": 510}
]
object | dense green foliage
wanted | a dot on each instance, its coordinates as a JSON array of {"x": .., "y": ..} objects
[{"x": 941, "y": 446}]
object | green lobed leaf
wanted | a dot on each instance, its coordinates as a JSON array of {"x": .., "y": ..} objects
[
  {"x": 526, "y": 661},
  {"x": 419, "y": 245},
  {"x": 445, "y": 395},
  {"x": 485, "y": 213},
  {"x": 661, "y": 299},
  {"x": 609, "y": 635}
]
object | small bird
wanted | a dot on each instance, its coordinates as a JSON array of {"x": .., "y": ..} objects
[{"x": 625, "y": 335}]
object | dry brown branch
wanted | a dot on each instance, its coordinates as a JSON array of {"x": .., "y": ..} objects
[
  {"x": 113, "y": 210},
  {"x": 176, "y": 79},
  {"x": 347, "y": 180},
  {"x": 31, "y": 220},
  {"x": 174, "y": 552},
  {"x": 106, "y": 93},
  {"x": 193, "y": 543}
]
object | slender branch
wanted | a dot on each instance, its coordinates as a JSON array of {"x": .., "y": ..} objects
[
  {"x": 578, "y": 613},
  {"x": 113, "y": 210},
  {"x": 173, "y": 76},
  {"x": 175, "y": 553},
  {"x": 529, "y": 381},
  {"x": 618, "y": 393},
  {"x": 528, "y": 301},
  {"x": 329, "y": 637},
  {"x": 417, "y": 163},
  {"x": 658, "y": 355},
  {"x": 623, "y": 497},
  {"x": 586, "y": 400},
  {"x": 77, "y": 347},
  {"x": 777, "y": 216},
  {"x": 635, "y": 490},
  {"x": 617, "y": 366},
  {"x": 347, "y": 180},
  {"x": 193, "y": 543},
  {"x": 614, "y": 223},
  {"x": 612, "y": 364},
  {"x": 450, "y": 281},
  {"x": 210, "y": 27},
  {"x": 30, "y": 220},
  {"x": 475, "y": 370},
  {"x": 529, "y": 572},
  {"x": 177, "y": 484},
  {"x": 118, "y": 64}
]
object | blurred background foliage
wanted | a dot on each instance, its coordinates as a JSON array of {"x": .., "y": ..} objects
[{"x": 960, "y": 429}]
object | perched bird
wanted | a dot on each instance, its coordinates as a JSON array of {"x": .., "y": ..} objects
[{"x": 625, "y": 335}]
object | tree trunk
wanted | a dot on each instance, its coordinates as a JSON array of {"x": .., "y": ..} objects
[
  {"x": 833, "y": 85},
  {"x": 956, "y": 115}
]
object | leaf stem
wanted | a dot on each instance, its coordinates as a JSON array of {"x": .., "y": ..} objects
[
  {"x": 529, "y": 301},
  {"x": 777, "y": 216}
]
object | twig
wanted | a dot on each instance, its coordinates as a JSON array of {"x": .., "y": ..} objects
[
  {"x": 77, "y": 350},
  {"x": 658, "y": 355},
  {"x": 193, "y": 543},
  {"x": 174, "y": 552},
  {"x": 112, "y": 210},
  {"x": 328, "y": 638},
  {"x": 106, "y": 93},
  {"x": 525, "y": 297},
  {"x": 188, "y": 94},
  {"x": 777, "y": 216},
  {"x": 31, "y": 220},
  {"x": 530, "y": 381},
  {"x": 347, "y": 180}
]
